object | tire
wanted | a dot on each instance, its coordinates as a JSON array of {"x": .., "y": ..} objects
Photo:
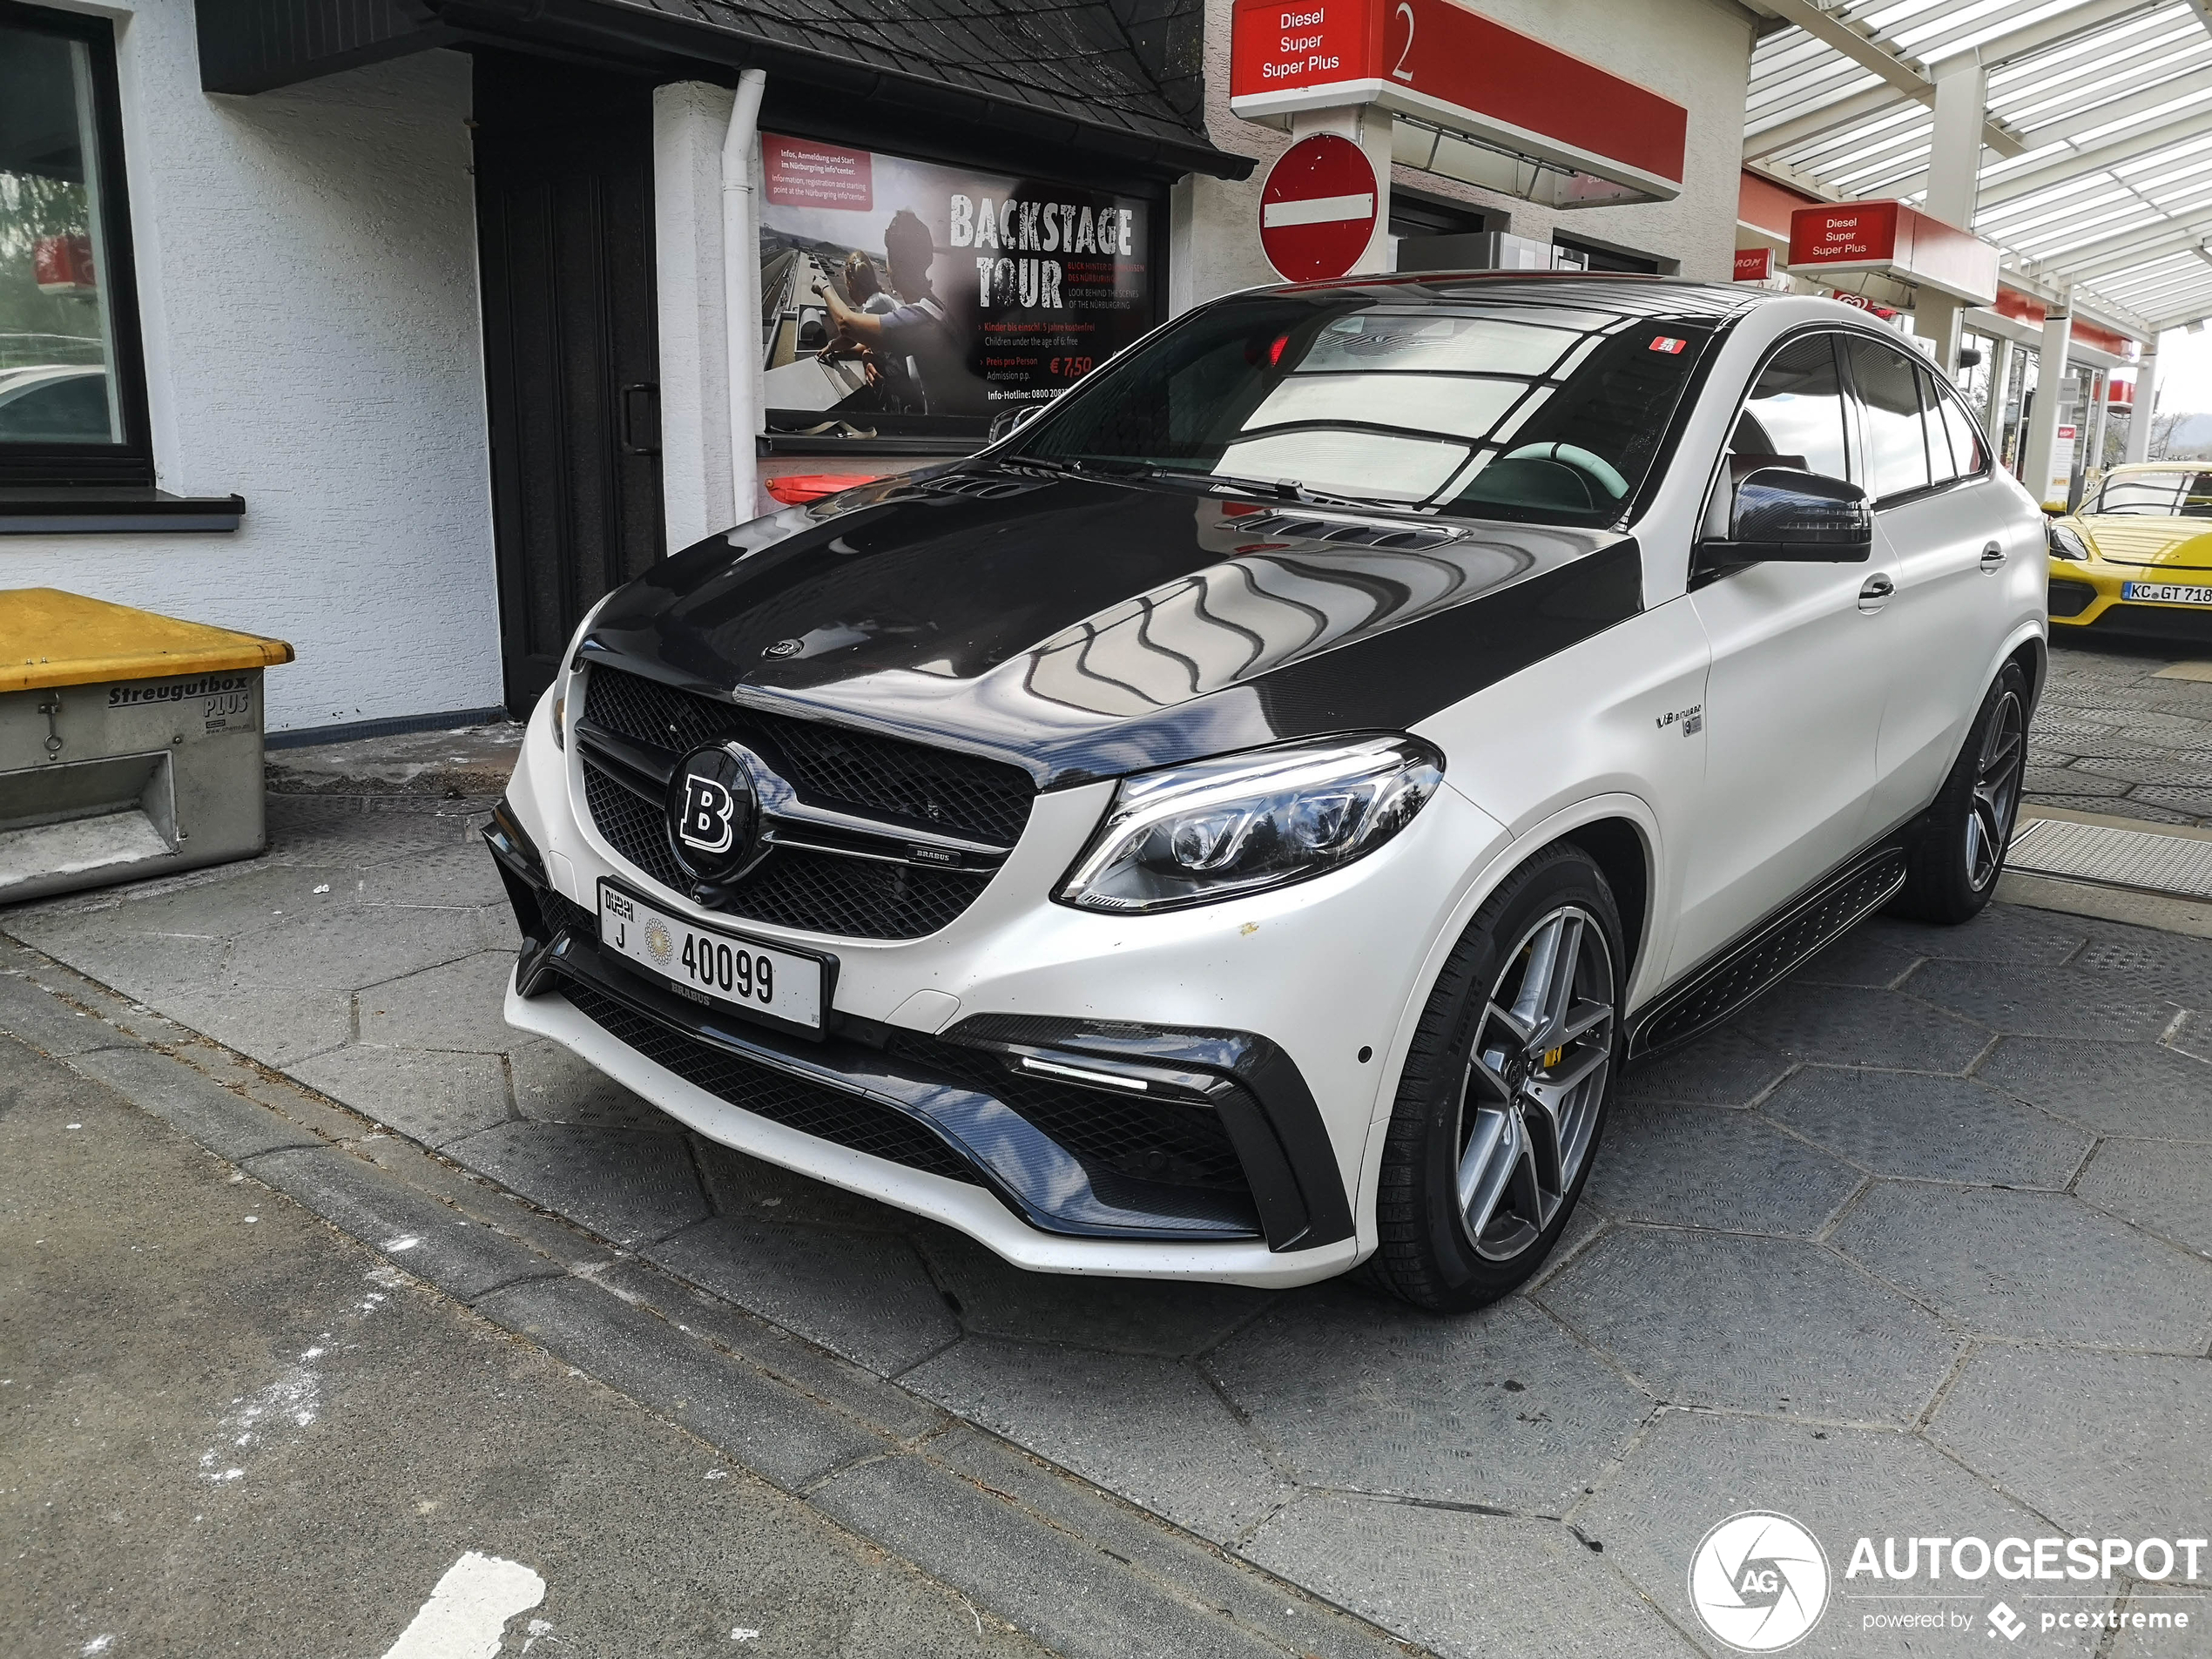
[
  {"x": 1957, "y": 854},
  {"x": 1521, "y": 1121}
]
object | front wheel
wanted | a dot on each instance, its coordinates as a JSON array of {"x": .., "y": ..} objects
[
  {"x": 1954, "y": 865},
  {"x": 1505, "y": 1089}
]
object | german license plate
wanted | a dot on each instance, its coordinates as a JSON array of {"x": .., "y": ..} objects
[
  {"x": 710, "y": 964},
  {"x": 2167, "y": 593}
]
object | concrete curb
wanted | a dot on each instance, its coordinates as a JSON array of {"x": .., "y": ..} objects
[{"x": 1081, "y": 1571}]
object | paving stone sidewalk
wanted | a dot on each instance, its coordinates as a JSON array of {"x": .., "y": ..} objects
[
  {"x": 1921, "y": 1243},
  {"x": 2118, "y": 733}
]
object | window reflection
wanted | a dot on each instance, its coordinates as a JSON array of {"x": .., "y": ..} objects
[{"x": 57, "y": 382}]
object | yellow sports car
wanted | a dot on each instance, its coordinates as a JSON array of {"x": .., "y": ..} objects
[{"x": 2137, "y": 557}]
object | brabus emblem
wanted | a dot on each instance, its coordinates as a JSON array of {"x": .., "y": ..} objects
[
  {"x": 712, "y": 813},
  {"x": 708, "y": 808},
  {"x": 785, "y": 648}
]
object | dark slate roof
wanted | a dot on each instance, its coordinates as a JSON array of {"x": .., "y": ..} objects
[{"x": 1130, "y": 68}]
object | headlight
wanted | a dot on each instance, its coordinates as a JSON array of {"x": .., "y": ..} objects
[
  {"x": 2065, "y": 542},
  {"x": 1264, "y": 819}
]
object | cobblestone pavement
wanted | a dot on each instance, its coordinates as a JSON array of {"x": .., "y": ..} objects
[
  {"x": 2117, "y": 733},
  {"x": 1920, "y": 1244}
]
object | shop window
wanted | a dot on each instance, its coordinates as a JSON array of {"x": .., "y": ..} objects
[
  {"x": 72, "y": 401},
  {"x": 1594, "y": 257}
]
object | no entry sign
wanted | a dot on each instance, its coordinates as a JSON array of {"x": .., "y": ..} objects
[{"x": 1316, "y": 213}]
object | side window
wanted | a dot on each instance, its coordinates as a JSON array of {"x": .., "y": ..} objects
[
  {"x": 1967, "y": 453},
  {"x": 1795, "y": 415},
  {"x": 1889, "y": 393}
]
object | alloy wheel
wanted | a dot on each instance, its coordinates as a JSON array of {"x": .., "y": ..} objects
[
  {"x": 1535, "y": 1080},
  {"x": 1996, "y": 796}
]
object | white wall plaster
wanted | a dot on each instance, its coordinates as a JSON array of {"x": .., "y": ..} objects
[{"x": 307, "y": 285}]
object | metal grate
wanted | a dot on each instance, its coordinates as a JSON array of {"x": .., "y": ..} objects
[
  {"x": 817, "y": 892},
  {"x": 828, "y": 764},
  {"x": 2144, "y": 860},
  {"x": 812, "y": 1108}
]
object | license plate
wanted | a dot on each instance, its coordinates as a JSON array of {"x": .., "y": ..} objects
[
  {"x": 710, "y": 965},
  {"x": 2170, "y": 593}
]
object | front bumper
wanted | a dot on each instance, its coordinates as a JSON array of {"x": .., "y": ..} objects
[
  {"x": 1252, "y": 1034},
  {"x": 2087, "y": 595}
]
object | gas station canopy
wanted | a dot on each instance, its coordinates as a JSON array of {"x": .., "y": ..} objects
[
  {"x": 1473, "y": 99},
  {"x": 2096, "y": 176}
]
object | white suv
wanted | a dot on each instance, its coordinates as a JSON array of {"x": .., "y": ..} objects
[{"x": 1241, "y": 823}]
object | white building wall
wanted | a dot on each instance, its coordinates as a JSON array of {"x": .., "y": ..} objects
[
  {"x": 1697, "y": 52},
  {"x": 307, "y": 286}
]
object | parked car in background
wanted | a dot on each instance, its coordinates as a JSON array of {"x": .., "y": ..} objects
[
  {"x": 54, "y": 403},
  {"x": 2136, "y": 557},
  {"x": 1240, "y": 824}
]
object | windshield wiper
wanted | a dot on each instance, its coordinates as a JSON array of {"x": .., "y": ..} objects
[
  {"x": 1071, "y": 468},
  {"x": 1279, "y": 489}
]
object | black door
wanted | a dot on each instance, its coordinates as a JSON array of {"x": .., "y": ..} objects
[{"x": 564, "y": 195}]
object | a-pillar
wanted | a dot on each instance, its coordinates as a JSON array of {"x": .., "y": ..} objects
[
  {"x": 2146, "y": 404},
  {"x": 2050, "y": 402},
  {"x": 1954, "y": 181},
  {"x": 1370, "y": 129}
]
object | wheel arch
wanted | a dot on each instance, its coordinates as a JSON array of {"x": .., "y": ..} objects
[
  {"x": 1617, "y": 847},
  {"x": 1618, "y": 832}
]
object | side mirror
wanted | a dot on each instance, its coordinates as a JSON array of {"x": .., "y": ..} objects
[{"x": 1780, "y": 514}]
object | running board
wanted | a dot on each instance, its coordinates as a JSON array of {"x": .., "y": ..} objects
[{"x": 1771, "y": 952}]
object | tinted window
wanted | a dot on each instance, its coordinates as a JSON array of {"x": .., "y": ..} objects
[
  {"x": 1889, "y": 391},
  {"x": 1967, "y": 456},
  {"x": 1795, "y": 410},
  {"x": 1541, "y": 409}
]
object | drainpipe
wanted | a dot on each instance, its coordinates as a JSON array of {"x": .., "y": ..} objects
[{"x": 741, "y": 290}]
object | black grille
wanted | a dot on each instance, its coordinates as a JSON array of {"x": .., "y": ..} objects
[
  {"x": 1151, "y": 1140},
  {"x": 829, "y": 765},
  {"x": 812, "y": 1108},
  {"x": 819, "y": 892},
  {"x": 633, "y": 827},
  {"x": 2071, "y": 598}
]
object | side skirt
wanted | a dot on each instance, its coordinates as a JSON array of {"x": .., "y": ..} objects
[{"x": 1776, "y": 947}]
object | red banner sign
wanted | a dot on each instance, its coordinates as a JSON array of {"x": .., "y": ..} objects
[
  {"x": 1754, "y": 264},
  {"x": 1894, "y": 239},
  {"x": 1438, "y": 62}
]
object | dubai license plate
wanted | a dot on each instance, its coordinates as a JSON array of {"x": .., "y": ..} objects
[
  {"x": 710, "y": 964},
  {"x": 2168, "y": 593}
]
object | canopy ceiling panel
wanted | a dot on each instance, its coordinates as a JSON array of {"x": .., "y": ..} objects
[{"x": 2096, "y": 171}]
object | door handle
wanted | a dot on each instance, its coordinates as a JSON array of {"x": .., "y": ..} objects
[
  {"x": 1874, "y": 593},
  {"x": 1992, "y": 556}
]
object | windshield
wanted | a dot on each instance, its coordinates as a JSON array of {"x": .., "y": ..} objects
[
  {"x": 1488, "y": 406},
  {"x": 2155, "y": 495}
]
